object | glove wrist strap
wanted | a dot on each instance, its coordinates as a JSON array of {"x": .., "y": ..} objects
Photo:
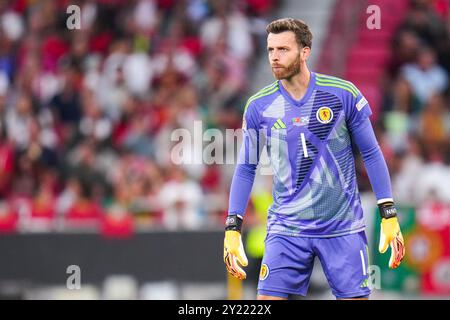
[
  {"x": 387, "y": 210},
  {"x": 233, "y": 222}
]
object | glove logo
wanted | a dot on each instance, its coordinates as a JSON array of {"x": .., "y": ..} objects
[
  {"x": 324, "y": 115},
  {"x": 264, "y": 273},
  {"x": 230, "y": 220}
]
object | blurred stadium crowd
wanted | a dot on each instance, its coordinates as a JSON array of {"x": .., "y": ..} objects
[
  {"x": 86, "y": 115},
  {"x": 413, "y": 126}
]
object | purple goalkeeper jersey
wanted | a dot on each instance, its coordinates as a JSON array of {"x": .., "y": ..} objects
[{"x": 309, "y": 143}]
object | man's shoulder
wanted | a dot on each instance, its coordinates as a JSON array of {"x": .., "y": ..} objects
[
  {"x": 335, "y": 85},
  {"x": 262, "y": 95}
]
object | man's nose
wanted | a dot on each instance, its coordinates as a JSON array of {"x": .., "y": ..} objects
[{"x": 275, "y": 56}]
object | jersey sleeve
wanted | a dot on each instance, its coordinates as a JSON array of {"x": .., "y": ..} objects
[
  {"x": 358, "y": 112},
  {"x": 248, "y": 159},
  {"x": 357, "y": 109},
  {"x": 374, "y": 161}
]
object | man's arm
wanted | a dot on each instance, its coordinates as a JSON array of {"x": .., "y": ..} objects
[
  {"x": 364, "y": 137},
  {"x": 240, "y": 190},
  {"x": 365, "y": 140},
  {"x": 241, "y": 186}
]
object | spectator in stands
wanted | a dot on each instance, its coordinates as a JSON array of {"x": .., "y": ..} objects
[
  {"x": 7, "y": 162},
  {"x": 434, "y": 178},
  {"x": 117, "y": 222},
  {"x": 43, "y": 211},
  {"x": 84, "y": 212},
  {"x": 93, "y": 123},
  {"x": 405, "y": 46},
  {"x": 434, "y": 127},
  {"x": 423, "y": 20},
  {"x": 67, "y": 197},
  {"x": 410, "y": 166},
  {"x": 8, "y": 218},
  {"x": 85, "y": 164},
  {"x": 228, "y": 20},
  {"x": 181, "y": 199},
  {"x": 424, "y": 77},
  {"x": 18, "y": 119}
]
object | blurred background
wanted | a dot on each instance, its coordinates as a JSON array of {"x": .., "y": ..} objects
[{"x": 91, "y": 205}]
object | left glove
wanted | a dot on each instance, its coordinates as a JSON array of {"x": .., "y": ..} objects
[
  {"x": 233, "y": 249},
  {"x": 390, "y": 234}
]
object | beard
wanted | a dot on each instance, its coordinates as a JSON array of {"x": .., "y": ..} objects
[{"x": 289, "y": 71}]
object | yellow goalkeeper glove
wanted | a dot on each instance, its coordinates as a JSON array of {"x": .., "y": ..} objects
[
  {"x": 390, "y": 234},
  {"x": 233, "y": 249}
]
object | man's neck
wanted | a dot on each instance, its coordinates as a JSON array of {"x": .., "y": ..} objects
[{"x": 298, "y": 84}]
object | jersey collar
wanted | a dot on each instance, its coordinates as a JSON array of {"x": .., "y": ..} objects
[{"x": 305, "y": 98}]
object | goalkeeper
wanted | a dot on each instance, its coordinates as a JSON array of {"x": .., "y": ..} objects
[{"x": 307, "y": 121}]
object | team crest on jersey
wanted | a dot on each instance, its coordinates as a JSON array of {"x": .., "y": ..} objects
[
  {"x": 264, "y": 273},
  {"x": 324, "y": 115}
]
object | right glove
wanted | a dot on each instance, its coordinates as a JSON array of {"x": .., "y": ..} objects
[{"x": 233, "y": 249}]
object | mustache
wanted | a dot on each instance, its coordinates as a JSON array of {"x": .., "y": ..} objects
[{"x": 277, "y": 66}]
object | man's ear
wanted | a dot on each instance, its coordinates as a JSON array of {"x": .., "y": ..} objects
[{"x": 305, "y": 52}]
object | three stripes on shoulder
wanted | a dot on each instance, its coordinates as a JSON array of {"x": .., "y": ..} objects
[
  {"x": 261, "y": 93},
  {"x": 328, "y": 81}
]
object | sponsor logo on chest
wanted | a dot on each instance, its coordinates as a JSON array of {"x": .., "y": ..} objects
[{"x": 300, "y": 121}]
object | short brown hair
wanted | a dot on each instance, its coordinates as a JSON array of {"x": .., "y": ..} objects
[{"x": 302, "y": 33}]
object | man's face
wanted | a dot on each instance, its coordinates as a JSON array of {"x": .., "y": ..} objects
[
  {"x": 285, "y": 55},
  {"x": 426, "y": 59}
]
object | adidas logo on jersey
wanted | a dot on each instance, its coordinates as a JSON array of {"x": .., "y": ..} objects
[{"x": 279, "y": 124}]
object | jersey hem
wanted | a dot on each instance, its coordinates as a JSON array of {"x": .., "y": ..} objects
[{"x": 337, "y": 234}]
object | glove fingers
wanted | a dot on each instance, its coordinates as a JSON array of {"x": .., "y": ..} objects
[
  {"x": 233, "y": 268},
  {"x": 233, "y": 272},
  {"x": 227, "y": 258},
  {"x": 234, "y": 253},
  {"x": 397, "y": 251}
]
